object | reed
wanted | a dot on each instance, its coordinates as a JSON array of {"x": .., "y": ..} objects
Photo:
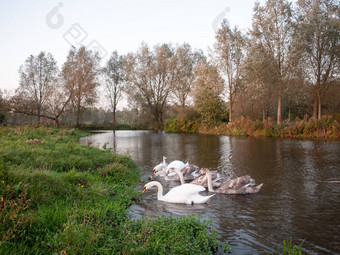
[{"x": 326, "y": 128}]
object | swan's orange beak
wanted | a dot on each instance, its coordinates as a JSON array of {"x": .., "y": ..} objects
[
  {"x": 144, "y": 189},
  {"x": 154, "y": 171}
]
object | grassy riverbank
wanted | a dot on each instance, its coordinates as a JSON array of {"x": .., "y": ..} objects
[
  {"x": 90, "y": 127},
  {"x": 59, "y": 197},
  {"x": 326, "y": 128}
]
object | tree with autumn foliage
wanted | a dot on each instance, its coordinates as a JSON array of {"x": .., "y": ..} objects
[
  {"x": 80, "y": 77},
  {"x": 318, "y": 39},
  {"x": 229, "y": 52},
  {"x": 208, "y": 87},
  {"x": 273, "y": 29}
]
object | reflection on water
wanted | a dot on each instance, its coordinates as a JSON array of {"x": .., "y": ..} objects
[{"x": 292, "y": 203}]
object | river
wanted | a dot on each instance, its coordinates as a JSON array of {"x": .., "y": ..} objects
[{"x": 294, "y": 203}]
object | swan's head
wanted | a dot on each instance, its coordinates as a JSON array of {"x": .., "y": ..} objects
[
  {"x": 159, "y": 167},
  {"x": 148, "y": 186},
  {"x": 203, "y": 171},
  {"x": 159, "y": 173}
]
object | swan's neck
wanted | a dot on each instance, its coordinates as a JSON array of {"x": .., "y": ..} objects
[
  {"x": 210, "y": 186},
  {"x": 164, "y": 158},
  {"x": 162, "y": 173},
  {"x": 160, "y": 189},
  {"x": 181, "y": 178},
  {"x": 166, "y": 177}
]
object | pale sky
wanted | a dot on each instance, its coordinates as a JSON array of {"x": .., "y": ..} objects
[{"x": 29, "y": 27}]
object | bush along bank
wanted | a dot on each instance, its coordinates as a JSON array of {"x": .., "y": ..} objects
[
  {"x": 59, "y": 197},
  {"x": 326, "y": 128}
]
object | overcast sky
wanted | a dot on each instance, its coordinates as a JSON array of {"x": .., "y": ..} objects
[{"x": 29, "y": 27}]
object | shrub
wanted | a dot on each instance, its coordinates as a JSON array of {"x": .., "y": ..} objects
[
  {"x": 257, "y": 125},
  {"x": 186, "y": 126},
  {"x": 171, "y": 126},
  {"x": 305, "y": 128}
]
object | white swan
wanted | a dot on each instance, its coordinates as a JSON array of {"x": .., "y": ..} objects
[
  {"x": 190, "y": 173},
  {"x": 177, "y": 164},
  {"x": 161, "y": 166},
  {"x": 163, "y": 174},
  {"x": 240, "y": 185},
  {"x": 173, "y": 171},
  {"x": 183, "y": 194}
]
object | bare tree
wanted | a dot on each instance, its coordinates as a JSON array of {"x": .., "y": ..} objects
[
  {"x": 38, "y": 82},
  {"x": 37, "y": 78},
  {"x": 272, "y": 28},
  {"x": 21, "y": 102},
  {"x": 229, "y": 54},
  {"x": 54, "y": 106},
  {"x": 114, "y": 77},
  {"x": 57, "y": 101},
  {"x": 185, "y": 61},
  {"x": 150, "y": 76},
  {"x": 318, "y": 36},
  {"x": 80, "y": 74}
]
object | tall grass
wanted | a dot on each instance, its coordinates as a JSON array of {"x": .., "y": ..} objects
[
  {"x": 289, "y": 249},
  {"x": 326, "y": 128},
  {"x": 59, "y": 197}
]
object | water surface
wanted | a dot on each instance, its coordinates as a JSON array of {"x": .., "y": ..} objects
[{"x": 293, "y": 202}]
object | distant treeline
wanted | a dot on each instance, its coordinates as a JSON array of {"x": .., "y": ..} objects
[{"x": 286, "y": 66}]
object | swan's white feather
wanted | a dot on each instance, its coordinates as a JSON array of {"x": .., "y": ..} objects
[
  {"x": 179, "y": 165},
  {"x": 159, "y": 167},
  {"x": 186, "y": 194},
  {"x": 183, "y": 194}
]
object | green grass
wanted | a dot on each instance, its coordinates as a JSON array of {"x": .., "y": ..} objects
[
  {"x": 120, "y": 126},
  {"x": 289, "y": 249},
  {"x": 59, "y": 197}
]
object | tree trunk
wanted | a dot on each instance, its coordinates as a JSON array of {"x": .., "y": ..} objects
[
  {"x": 289, "y": 114},
  {"x": 56, "y": 123},
  {"x": 230, "y": 111},
  {"x": 279, "y": 110},
  {"x": 78, "y": 119},
  {"x": 315, "y": 107},
  {"x": 263, "y": 115},
  {"x": 319, "y": 106},
  {"x": 161, "y": 119},
  {"x": 78, "y": 113},
  {"x": 39, "y": 114},
  {"x": 114, "y": 118}
]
